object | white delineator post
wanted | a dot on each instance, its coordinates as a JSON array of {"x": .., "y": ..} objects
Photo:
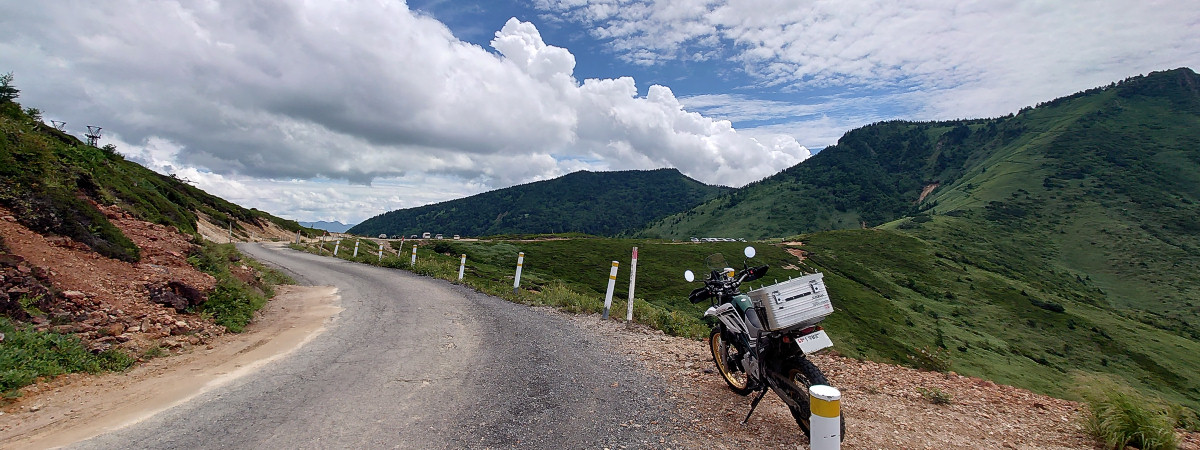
[
  {"x": 825, "y": 422},
  {"x": 414, "y": 255},
  {"x": 337, "y": 246},
  {"x": 398, "y": 250},
  {"x": 632, "y": 278},
  {"x": 462, "y": 264},
  {"x": 297, "y": 236},
  {"x": 356, "y": 248},
  {"x": 517, "y": 278},
  {"x": 381, "y": 251},
  {"x": 612, "y": 283}
]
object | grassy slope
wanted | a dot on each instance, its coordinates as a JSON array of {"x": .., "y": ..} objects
[
  {"x": 1087, "y": 204},
  {"x": 570, "y": 203},
  {"x": 49, "y": 176}
]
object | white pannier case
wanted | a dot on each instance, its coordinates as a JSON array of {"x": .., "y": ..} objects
[{"x": 795, "y": 303}]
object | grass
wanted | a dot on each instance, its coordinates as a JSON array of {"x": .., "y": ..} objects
[
  {"x": 233, "y": 302},
  {"x": 1119, "y": 416},
  {"x": 26, "y": 355}
]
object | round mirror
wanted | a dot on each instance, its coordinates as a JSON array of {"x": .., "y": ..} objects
[
  {"x": 689, "y": 276},
  {"x": 750, "y": 252}
]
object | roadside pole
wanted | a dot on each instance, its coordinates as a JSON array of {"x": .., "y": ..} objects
[
  {"x": 398, "y": 250},
  {"x": 462, "y": 264},
  {"x": 632, "y": 278},
  {"x": 824, "y": 403},
  {"x": 612, "y": 283},
  {"x": 414, "y": 256},
  {"x": 337, "y": 246},
  {"x": 356, "y": 248},
  {"x": 381, "y": 251},
  {"x": 517, "y": 278}
]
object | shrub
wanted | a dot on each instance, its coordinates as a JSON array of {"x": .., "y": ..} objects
[
  {"x": 232, "y": 303},
  {"x": 1120, "y": 416}
]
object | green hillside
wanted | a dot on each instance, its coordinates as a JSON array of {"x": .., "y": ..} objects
[
  {"x": 598, "y": 203},
  {"x": 49, "y": 180},
  {"x": 1065, "y": 237}
]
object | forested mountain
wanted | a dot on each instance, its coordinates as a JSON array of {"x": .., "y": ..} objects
[
  {"x": 877, "y": 173},
  {"x": 600, "y": 203},
  {"x": 1063, "y": 238}
]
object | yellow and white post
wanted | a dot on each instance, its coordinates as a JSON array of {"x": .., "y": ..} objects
[
  {"x": 462, "y": 264},
  {"x": 825, "y": 423},
  {"x": 612, "y": 283},
  {"x": 381, "y": 250},
  {"x": 414, "y": 256},
  {"x": 517, "y": 278}
]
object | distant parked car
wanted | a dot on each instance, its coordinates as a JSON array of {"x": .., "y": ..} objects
[
  {"x": 382, "y": 236},
  {"x": 413, "y": 237},
  {"x": 438, "y": 236},
  {"x": 695, "y": 240},
  {"x": 456, "y": 236},
  {"x": 425, "y": 235}
]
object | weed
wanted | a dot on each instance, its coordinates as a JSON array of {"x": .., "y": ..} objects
[
  {"x": 154, "y": 352},
  {"x": 936, "y": 396},
  {"x": 1120, "y": 416}
]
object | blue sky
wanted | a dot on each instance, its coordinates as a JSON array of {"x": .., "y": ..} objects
[{"x": 342, "y": 110}]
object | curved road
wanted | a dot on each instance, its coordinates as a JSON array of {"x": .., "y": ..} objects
[{"x": 414, "y": 362}]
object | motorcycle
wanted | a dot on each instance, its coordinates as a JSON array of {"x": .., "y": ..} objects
[{"x": 762, "y": 338}]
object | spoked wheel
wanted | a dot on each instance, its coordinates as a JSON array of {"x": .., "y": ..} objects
[
  {"x": 727, "y": 357},
  {"x": 800, "y": 374}
]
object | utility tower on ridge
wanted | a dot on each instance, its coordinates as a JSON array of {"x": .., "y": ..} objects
[
  {"x": 57, "y": 124},
  {"x": 93, "y": 135}
]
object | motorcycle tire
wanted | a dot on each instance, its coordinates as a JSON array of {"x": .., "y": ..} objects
[
  {"x": 724, "y": 353},
  {"x": 801, "y": 373}
]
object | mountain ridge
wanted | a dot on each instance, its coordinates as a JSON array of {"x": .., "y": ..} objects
[{"x": 599, "y": 203}]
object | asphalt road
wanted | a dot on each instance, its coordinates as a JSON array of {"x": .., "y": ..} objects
[{"x": 414, "y": 362}]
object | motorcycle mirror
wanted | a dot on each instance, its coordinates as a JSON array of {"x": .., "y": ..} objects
[
  {"x": 750, "y": 252},
  {"x": 689, "y": 276}
]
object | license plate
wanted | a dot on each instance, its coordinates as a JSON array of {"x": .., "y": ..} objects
[{"x": 811, "y": 343}]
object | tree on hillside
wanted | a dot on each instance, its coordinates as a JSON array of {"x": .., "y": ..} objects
[{"x": 8, "y": 92}]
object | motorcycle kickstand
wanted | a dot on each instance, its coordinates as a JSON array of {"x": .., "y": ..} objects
[{"x": 753, "y": 405}]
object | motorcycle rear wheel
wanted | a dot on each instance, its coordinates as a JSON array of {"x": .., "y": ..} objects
[
  {"x": 800, "y": 373},
  {"x": 723, "y": 353}
]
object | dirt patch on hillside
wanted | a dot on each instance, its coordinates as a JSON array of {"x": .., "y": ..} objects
[
  {"x": 79, "y": 406},
  {"x": 256, "y": 231},
  {"x": 925, "y": 191},
  {"x": 107, "y": 302}
]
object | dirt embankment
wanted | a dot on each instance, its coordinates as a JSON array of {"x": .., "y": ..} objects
[
  {"x": 108, "y": 303},
  {"x": 258, "y": 231}
]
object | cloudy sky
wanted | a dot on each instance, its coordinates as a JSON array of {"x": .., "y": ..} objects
[{"x": 341, "y": 110}]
